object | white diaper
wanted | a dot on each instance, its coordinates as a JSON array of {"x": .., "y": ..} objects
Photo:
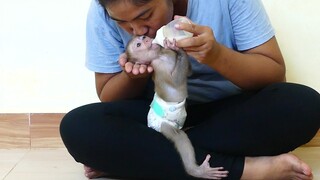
[{"x": 161, "y": 111}]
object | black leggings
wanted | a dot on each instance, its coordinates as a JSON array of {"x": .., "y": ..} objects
[{"x": 113, "y": 137}]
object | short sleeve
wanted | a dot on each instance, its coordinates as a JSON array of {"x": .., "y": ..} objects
[
  {"x": 250, "y": 23},
  {"x": 103, "y": 42}
]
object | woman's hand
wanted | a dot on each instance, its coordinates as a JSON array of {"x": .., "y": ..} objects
[
  {"x": 202, "y": 46},
  {"x": 134, "y": 70}
]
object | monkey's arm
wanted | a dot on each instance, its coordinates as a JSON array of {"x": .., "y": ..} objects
[{"x": 182, "y": 68}]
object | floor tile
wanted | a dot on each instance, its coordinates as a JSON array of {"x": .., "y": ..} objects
[
  {"x": 310, "y": 155},
  {"x": 57, "y": 164},
  {"x": 49, "y": 164},
  {"x": 9, "y": 158}
]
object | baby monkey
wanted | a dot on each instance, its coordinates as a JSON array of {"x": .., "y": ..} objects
[{"x": 167, "y": 111}]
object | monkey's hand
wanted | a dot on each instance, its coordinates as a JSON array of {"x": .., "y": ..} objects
[
  {"x": 134, "y": 70},
  {"x": 170, "y": 45},
  {"x": 208, "y": 172}
]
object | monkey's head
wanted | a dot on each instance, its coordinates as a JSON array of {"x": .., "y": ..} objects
[{"x": 140, "y": 49}]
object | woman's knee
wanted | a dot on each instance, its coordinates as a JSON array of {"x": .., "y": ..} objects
[
  {"x": 72, "y": 119},
  {"x": 308, "y": 102},
  {"x": 304, "y": 104}
]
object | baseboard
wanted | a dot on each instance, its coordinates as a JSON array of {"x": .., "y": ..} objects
[
  {"x": 30, "y": 130},
  {"x": 41, "y": 130}
]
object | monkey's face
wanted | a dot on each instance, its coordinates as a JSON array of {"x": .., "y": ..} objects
[{"x": 143, "y": 50}]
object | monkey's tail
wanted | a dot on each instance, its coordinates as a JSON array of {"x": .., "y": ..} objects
[{"x": 183, "y": 145}]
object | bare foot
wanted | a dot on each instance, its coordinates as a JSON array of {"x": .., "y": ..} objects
[
  {"x": 281, "y": 167},
  {"x": 92, "y": 173}
]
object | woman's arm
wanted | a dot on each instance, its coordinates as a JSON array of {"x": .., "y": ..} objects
[
  {"x": 128, "y": 83},
  {"x": 111, "y": 87},
  {"x": 250, "y": 69}
]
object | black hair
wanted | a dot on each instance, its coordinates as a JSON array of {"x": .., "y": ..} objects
[{"x": 105, "y": 3}]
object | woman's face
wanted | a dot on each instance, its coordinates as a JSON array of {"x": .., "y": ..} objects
[{"x": 141, "y": 20}]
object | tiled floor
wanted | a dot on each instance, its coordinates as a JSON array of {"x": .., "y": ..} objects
[
  {"x": 57, "y": 164},
  {"x": 310, "y": 155},
  {"x": 36, "y": 164}
]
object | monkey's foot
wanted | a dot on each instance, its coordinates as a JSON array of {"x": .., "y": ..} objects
[{"x": 207, "y": 172}]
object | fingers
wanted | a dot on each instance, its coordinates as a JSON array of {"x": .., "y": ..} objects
[
  {"x": 190, "y": 27},
  {"x": 201, "y": 36},
  {"x": 200, "y": 33},
  {"x": 207, "y": 158},
  {"x": 137, "y": 70},
  {"x": 128, "y": 67},
  {"x": 149, "y": 69},
  {"x": 170, "y": 44},
  {"x": 123, "y": 59},
  {"x": 216, "y": 172},
  {"x": 134, "y": 70},
  {"x": 202, "y": 46}
]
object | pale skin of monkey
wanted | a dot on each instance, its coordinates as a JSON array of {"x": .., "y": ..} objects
[{"x": 171, "y": 68}]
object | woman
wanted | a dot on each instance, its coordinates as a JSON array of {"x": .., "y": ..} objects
[{"x": 240, "y": 110}]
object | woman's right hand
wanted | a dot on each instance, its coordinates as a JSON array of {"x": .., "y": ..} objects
[{"x": 134, "y": 70}]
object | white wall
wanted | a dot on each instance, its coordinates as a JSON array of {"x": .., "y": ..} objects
[
  {"x": 42, "y": 48},
  {"x": 297, "y": 25}
]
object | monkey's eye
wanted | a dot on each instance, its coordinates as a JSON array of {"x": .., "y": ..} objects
[
  {"x": 138, "y": 44},
  {"x": 143, "y": 37}
]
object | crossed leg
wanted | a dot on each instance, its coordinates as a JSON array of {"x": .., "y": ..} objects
[{"x": 285, "y": 166}]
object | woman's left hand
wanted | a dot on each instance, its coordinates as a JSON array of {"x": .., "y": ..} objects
[{"x": 202, "y": 46}]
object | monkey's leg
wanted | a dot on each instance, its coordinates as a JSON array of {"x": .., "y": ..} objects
[{"x": 186, "y": 151}]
